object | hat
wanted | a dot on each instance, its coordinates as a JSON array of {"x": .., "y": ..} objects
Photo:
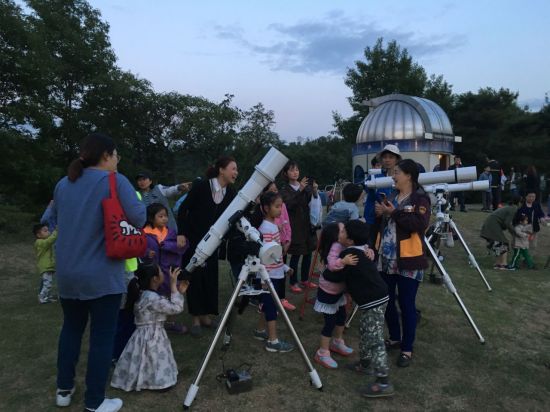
[
  {"x": 391, "y": 148},
  {"x": 144, "y": 175}
]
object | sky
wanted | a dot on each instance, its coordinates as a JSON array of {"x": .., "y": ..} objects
[{"x": 292, "y": 56}]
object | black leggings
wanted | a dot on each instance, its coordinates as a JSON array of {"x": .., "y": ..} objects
[{"x": 331, "y": 321}]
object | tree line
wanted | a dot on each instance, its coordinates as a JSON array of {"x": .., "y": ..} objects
[{"x": 59, "y": 80}]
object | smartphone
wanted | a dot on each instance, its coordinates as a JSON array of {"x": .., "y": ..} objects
[{"x": 382, "y": 197}]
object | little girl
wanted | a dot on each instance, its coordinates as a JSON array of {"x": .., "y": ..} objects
[
  {"x": 270, "y": 205},
  {"x": 285, "y": 231},
  {"x": 163, "y": 250},
  {"x": 147, "y": 361},
  {"x": 331, "y": 301}
]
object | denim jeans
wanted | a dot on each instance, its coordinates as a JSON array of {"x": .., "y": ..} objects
[
  {"x": 404, "y": 331},
  {"x": 103, "y": 313}
]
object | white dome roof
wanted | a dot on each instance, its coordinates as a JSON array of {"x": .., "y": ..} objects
[{"x": 402, "y": 117}]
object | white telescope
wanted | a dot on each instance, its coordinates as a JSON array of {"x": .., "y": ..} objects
[
  {"x": 477, "y": 186},
  {"x": 265, "y": 172},
  {"x": 458, "y": 175}
]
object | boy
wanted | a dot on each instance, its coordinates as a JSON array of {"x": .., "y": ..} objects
[
  {"x": 523, "y": 231},
  {"x": 43, "y": 246},
  {"x": 346, "y": 209},
  {"x": 370, "y": 293}
]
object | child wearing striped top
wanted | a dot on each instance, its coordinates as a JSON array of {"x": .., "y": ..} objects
[{"x": 270, "y": 205}]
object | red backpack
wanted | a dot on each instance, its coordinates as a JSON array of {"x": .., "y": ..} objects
[{"x": 122, "y": 240}]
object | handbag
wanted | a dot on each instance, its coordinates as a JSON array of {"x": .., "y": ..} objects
[{"x": 122, "y": 240}]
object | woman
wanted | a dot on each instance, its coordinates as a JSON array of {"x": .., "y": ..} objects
[
  {"x": 533, "y": 210},
  {"x": 493, "y": 232},
  {"x": 531, "y": 180},
  {"x": 405, "y": 216},
  {"x": 90, "y": 284},
  {"x": 297, "y": 195},
  {"x": 206, "y": 201}
]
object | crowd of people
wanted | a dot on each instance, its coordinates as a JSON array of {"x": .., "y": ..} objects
[{"x": 377, "y": 260}]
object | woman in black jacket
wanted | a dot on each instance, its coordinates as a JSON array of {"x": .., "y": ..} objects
[{"x": 204, "y": 205}]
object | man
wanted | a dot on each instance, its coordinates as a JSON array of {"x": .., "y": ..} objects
[
  {"x": 495, "y": 181},
  {"x": 457, "y": 195},
  {"x": 159, "y": 194},
  {"x": 389, "y": 157}
]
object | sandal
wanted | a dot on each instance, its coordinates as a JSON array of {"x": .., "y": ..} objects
[
  {"x": 404, "y": 360},
  {"x": 392, "y": 344},
  {"x": 378, "y": 390}
]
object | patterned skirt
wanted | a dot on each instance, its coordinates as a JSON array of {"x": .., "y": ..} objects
[{"x": 147, "y": 361}]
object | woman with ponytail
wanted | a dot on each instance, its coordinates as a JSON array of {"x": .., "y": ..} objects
[
  {"x": 205, "y": 203},
  {"x": 90, "y": 284}
]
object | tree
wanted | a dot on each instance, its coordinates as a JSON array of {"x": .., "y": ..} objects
[{"x": 385, "y": 71}]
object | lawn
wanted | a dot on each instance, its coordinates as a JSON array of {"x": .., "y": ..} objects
[{"x": 451, "y": 369}]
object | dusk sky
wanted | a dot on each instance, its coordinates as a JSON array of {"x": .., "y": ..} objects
[{"x": 292, "y": 55}]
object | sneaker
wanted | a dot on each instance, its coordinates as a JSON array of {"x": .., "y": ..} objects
[
  {"x": 309, "y": 285},
  {"x": 260, "y": 334},
  {"x": 295, "y": 289},
  {"x": 499, "y": 267},
  {"x": 325, "y": 360},
  {"x": 340, "y": 348},
  {"x": 63, "y": 397},
  {"x": 108, "y": 405},
  {"x": 176, "y": 328},
  {"x": 287, "y": 305},
  {"x": 378, "y": 390},
  {"x": 510, "y": 267},
  {"x": 280, "y": 346}
]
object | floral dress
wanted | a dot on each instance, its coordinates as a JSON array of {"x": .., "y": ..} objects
[{"x": 147, "y": 361}]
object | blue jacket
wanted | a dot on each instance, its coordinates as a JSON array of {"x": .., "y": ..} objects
[
  {"x": 83, "y": 269},
  {"x": 372, "y": 196}
]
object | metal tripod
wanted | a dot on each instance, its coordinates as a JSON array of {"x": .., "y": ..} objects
[
  {"x": 443, "y": 229},
  {"x": 252, "y": 266},
  {"x": 442, "y": 224}
]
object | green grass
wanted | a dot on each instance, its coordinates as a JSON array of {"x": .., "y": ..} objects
[{"x": 451, "y": 369}]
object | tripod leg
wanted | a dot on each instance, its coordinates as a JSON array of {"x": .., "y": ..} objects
[
  {"x": 313, "y": 375},
  {"x": 194, "y": 388},
  {"x": 449, "y": 283},
  {"x": 351, "y": 316},
  {"x": 471, "y": 257}
]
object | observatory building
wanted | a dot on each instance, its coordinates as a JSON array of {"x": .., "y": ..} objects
[{"x": 418, "y": 126}]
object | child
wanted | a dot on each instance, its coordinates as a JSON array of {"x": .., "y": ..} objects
[
  {"x": 147, "y": 361},
  {"x": 271, "y": 204},
  {"x": 45, "y": 260},
  {"x": 162, "y": 248},
  {"x": 370, "y": 293},
  {"x": 486, "y": 198},
  {"x": 523, "y": 230},
  {"x": 346, "y": 209},
  {"x": 331, "y": 301},
  {"x": 285, "y": 231}
]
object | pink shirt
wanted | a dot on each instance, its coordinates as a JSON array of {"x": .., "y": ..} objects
[
  {"x": 334, "y": 264},
  {"x": 283, "y": 222}
]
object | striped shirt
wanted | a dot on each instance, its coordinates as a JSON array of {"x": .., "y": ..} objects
[{"x": 270, "y": 233}]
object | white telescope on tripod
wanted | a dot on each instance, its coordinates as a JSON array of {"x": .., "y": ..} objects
[{"x": 459, "y": 175}]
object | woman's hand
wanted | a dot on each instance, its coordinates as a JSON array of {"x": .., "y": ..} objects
[
  {"x": 350, "y": 260},
  {"x": 181, "y": 241},
  {"x": 386, "y": 208},
  {"x": 303, "y": 183}
]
